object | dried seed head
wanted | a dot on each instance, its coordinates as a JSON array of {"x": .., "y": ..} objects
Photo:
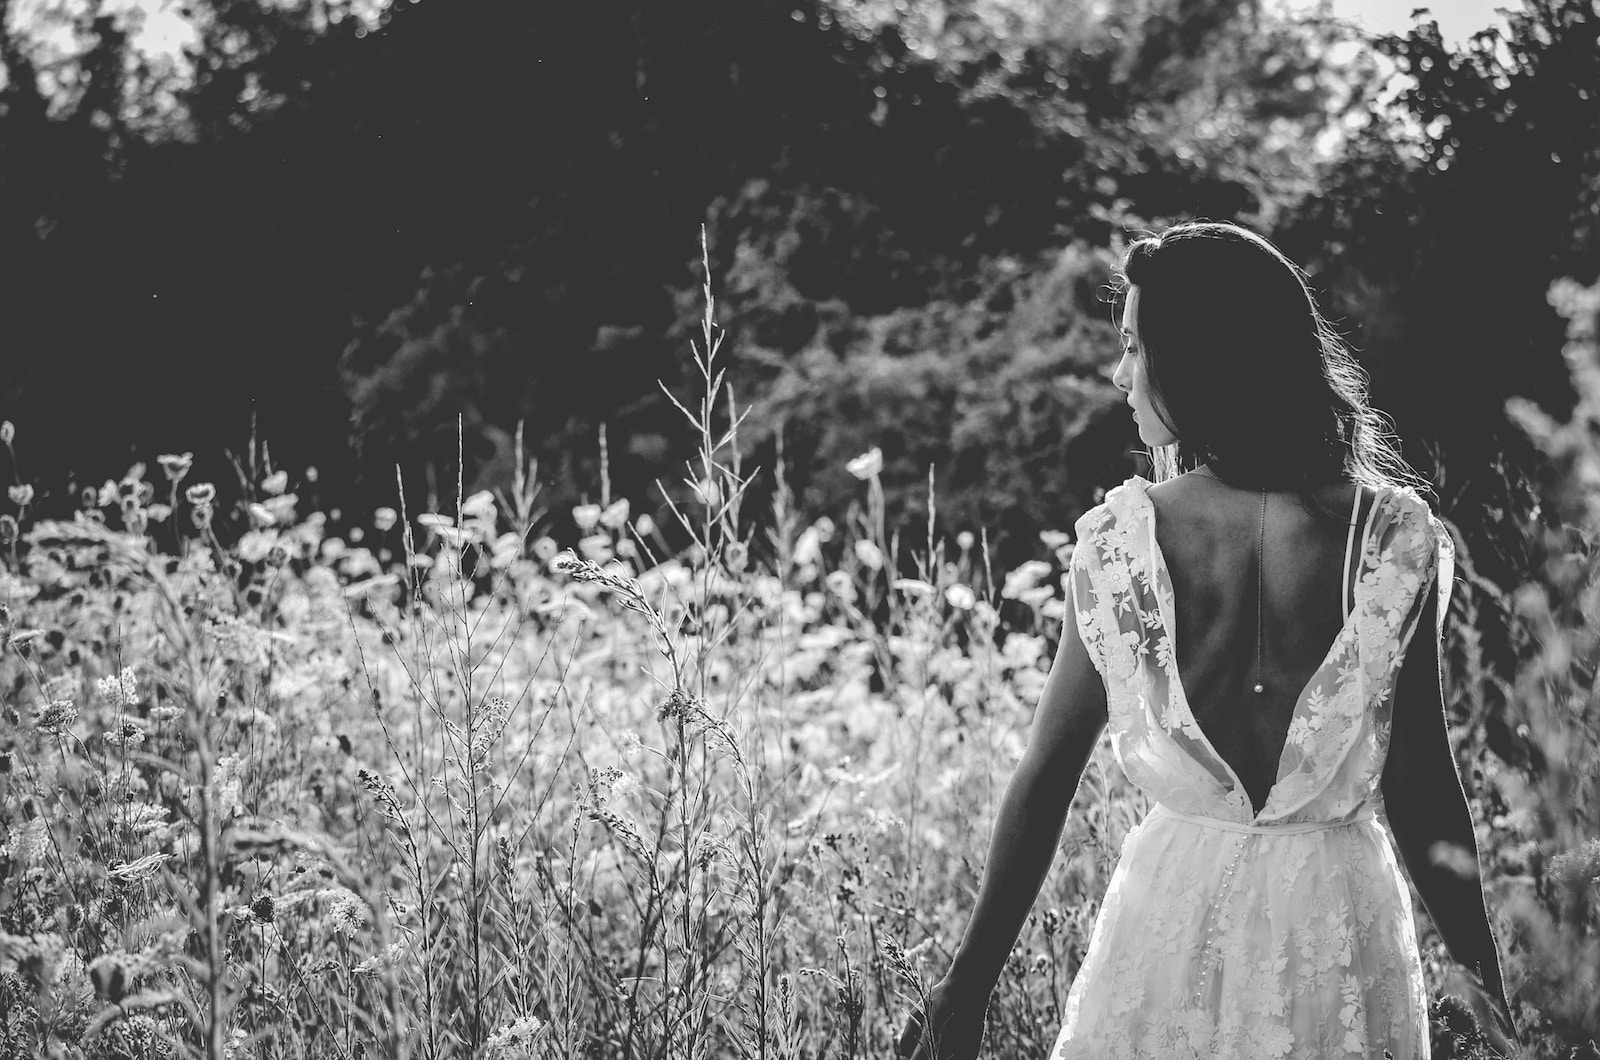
[{"x": 264, "y": 909}]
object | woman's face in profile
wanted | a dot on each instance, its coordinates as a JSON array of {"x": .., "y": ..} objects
[{"x": 1130, "y": 378}]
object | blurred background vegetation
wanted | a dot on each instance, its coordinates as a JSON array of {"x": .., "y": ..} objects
[{"x": 346, "y": 223}]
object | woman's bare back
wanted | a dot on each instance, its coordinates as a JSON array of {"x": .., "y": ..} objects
[{"x": 1207, "y": 532}]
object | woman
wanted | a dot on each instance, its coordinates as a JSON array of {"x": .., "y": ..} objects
[{"x": 1245, "y": 627}]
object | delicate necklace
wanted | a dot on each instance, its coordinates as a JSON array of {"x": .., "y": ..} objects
[{"x": 1261, "y": 580}]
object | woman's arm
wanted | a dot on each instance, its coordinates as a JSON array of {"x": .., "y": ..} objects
[
  {"x": 1066, "y": 727},
  {"x": 1429, "y": 817}
]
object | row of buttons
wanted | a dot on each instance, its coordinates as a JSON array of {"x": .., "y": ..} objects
[{"x": 1211, "y": 927}]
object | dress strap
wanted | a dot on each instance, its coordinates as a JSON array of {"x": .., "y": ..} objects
[
  {"x": 1347, "y": 592},
  {"x": 1365, "y": 813}
]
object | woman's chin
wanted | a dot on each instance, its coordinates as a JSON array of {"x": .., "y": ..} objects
[{"x": 1155, "y": 439}]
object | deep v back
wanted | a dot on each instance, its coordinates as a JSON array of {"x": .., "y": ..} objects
[{"x": 1205, "y": 538}]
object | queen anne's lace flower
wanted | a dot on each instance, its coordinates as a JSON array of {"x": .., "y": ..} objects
[
  {"x": 348, "y": 913},
  {"x": 515, "y": 1040},
  {"x": 122, "y": 689}
]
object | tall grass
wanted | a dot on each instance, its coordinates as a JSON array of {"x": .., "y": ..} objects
[{"x": 440, "y": 787}]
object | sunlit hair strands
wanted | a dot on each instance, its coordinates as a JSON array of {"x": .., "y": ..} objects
[{"x": 1246, "y": 371}]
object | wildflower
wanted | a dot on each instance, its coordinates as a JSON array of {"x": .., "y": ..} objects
[
  {"x": 29, "y": 844},
  {"x": 382, "y": 791},
  {"x": 960, "y": 597},
  {"x": 388, "y": 957},
  {"x": 596, "y": 548},
  {"x": 261, "y": 515},
  {"x": 515, "y": 1040},
  {"x": 1052, "y": 922},
  {"x": 275, "y": 483},
  {"x": 121, "y": 689},
  {"x": 282, "y": 508},
  {"x": 200, "y": 516},
  {"x": 866, "y": 465},
  {"x": 629, "y": 744},
  {"x": 8, "y": 431},
  {"x": 110, "y": 975},
  {"x": 808, "y": 547},
  {"x": 690, "y": 711},
  {"x": 1577, "y": 866},
  {"x": 201, "y": 494},
  {"x": 349, "y": 913},
  {"x": 644, "y": 526},
  {"x": 882, "y": 822},
  {"x": 176, "y": 466},
  {"x": 8, "y": 529},
  {"x": 130, "y": 735},
  {"x": 1024, "y": 578},
  {"x": 478, "y": 506},
  {"x": 708, "y": 492},
  {"x": 225, "y": 785},
  {"x": 736, "y": 555},
  {"x": 603, "y": 782},
  {"x": 913, "y": 586},
  {"x": 56, "y": 716},
  {"x": 869, "y": 554},
  {"x": 263, "y": 909},
  {"x": 21, "y": 496},
  {"x": 489, "y": 726},
  {"x": 964, "y": 540},
  {"x": 255, "y": 545},
  {"x": 383, "y": 520},
  {"x": 616, "y": 514},
  {"x": 842, "y": 586},
  {"x": 159, "y": 513},
  {"x": 587, "y": 516}
]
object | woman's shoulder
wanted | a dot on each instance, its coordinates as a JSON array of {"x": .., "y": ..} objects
[
  {"x": 1118, "y": 508},
  {"x": 1404, "y": 506}
]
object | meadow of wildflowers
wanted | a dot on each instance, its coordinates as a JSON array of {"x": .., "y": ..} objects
[{"x": 441, "y": 787}]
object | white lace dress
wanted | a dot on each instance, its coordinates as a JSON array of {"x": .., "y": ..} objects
[{"x": 1231, "y": 934}]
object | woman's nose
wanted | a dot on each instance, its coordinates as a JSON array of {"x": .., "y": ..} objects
[{"x": 1122, "y": 375}]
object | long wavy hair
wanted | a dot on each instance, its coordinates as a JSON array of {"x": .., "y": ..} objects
[{"x": 1246, "y": 371}]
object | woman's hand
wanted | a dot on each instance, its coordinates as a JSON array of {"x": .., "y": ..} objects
[
  {"x": 1495, "y": 1021},
  {"x": 949, "y": 1028}
]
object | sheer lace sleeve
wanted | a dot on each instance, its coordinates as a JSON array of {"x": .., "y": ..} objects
[{"x": 1121, "y": 593}]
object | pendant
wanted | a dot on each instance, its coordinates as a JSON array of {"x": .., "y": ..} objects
[{"x": 1260, "y": 688}]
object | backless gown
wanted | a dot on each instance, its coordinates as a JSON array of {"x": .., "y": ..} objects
[{"x": 1227, "y": 933}]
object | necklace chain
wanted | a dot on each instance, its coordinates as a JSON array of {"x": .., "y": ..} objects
[{"x": 1261, "y": 580}]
